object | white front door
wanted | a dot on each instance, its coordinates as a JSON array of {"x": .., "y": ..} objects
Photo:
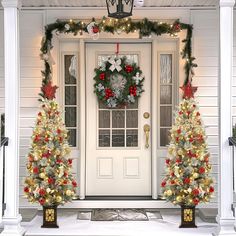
[{"x": 117, "y": 161}]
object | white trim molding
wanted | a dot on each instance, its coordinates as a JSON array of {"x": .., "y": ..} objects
[
  {"x": 225, "y": 216},
  {"x": 12, "y": 218},
  {"x": 11, "y": 3}
]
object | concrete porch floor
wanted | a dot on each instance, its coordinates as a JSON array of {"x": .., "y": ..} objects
[{"x": 69, "y": 225}]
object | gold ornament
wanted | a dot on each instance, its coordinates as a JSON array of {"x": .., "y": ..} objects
[
  {"x": 68, "y": 192},
  {"x": 58, "y": 199},
  {"x": 48, "y": 190},
  {"x": 179, "y": 199},
  {"x": 42, "y": 175},
  {"x": 168, "y": 192},
  {"x": 195, "y": 175}
]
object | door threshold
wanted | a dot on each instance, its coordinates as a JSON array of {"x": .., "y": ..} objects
[{"x": 119, "y": 198}]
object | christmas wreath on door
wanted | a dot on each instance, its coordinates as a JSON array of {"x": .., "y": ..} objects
[{"x": 118, "y": 82}]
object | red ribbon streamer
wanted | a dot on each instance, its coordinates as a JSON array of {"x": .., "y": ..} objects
[{"x": 117, "y": 48}]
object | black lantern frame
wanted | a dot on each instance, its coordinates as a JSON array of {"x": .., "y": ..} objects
[{"x": 117, "y": 10}]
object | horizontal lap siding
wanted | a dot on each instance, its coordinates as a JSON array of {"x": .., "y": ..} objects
[
  {"x": 205, "y": 49},
  {"x": 30, "y": 79}
]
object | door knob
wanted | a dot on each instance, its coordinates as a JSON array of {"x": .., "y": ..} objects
[{"x": 146, "y": 129}]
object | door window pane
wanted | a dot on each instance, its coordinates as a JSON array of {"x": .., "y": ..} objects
[
  {"x": 118, "y": 119},
  {"x": 70, "y": 116},
  {"x": 132, "y": 119},
  {"x": 104, "y": 138},
  {"x": 70, "y": 95},
  {"x": 132, "y": 138},
  {"x": 118, "y": 138},
  {"x": 72, "y": 137},
  {"x": 104, "y": 119},
  {"x": 164, "y": 135},
  {"x": 70, "y": 69},
  {"x": 166, "y": 94},
  {"x": 166, "y": 116},
  {"x": 166, "y": 68}
]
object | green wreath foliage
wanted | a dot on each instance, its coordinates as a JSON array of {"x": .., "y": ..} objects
[{"x": 118, "y": 82}]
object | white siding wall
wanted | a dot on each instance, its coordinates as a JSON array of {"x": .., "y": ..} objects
[
  {"x": 205, "y": 49},
  {"x": 31, "y": 31}
]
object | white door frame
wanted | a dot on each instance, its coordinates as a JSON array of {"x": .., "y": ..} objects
[{"x": 154, "y": 160}]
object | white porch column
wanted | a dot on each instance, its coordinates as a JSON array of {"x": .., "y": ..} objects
[
  {"x": 225, "y": 216},
  {"x": 11, "y": 217}
]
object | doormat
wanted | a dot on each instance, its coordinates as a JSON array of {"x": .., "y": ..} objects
[{"x": 119, "y": 215}]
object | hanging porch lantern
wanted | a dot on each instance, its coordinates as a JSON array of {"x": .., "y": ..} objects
[{"x": 119, "y": 8}]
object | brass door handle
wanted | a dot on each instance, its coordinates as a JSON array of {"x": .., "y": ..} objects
[{"x": 146, "y": 129}]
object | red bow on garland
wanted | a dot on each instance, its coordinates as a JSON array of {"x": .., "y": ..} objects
[
  {"x": 188, "y": 90},
  {"x": 49, "y": 91}
]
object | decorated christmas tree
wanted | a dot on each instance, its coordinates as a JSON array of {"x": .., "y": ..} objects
[
  {"x": 187, "y": 181},
  {"x": 49, "y": 182}
]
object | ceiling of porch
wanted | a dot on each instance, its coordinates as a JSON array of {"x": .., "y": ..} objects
[{"x": 102, "y": 3}]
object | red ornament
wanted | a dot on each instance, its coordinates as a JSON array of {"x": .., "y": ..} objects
[
  {"x": 191, "y": 140},
  {"x": 186, "y": 180},
  {"x": 65, "y": 182},
  {"x": 178, "y": 161},
  {"x": 102, "y": 76},
  {"x": 37, "y": 138},
  {"x": 26, "y": 189},
  {"x": 59, "y": 161},
  {"x": 60, "y": 139},
  {"x": 74, "y": 183},
  {"x": 69, "y": 161},
  {"x": 46, "y": 139},
  {"x": 172, "y": 182},
  {"x": 195, "y": 201},
  {"x": 198, "y": 113},
  {"x": 133, "y": 90},
  {"x": 177, "y": 27},
  {"x": 172, "y": 174},
  {"x": 58, "y": 131},
  {"x": 47, "y": 154},
  {"x": 179, "y": 131},
  {"x": 36, "y": 170},
  {"x": 42, "y": 201},
  {"x": 180, "y": 113},
  {"x": 50, "y": 180},
  {"x": 163, "y": 184},
  {"x": 195, "y": 192},
  {"x": 42, "y": 192},
  {"x": 206, "y": 159},
  {"x": 201, "y": 170},
  {"x": 49, "y": 91},
  {"x": 188, "y": 90},
  {"x": 95, "y": 29},
  {"x": 177, "y": 139},
  {"x": 167, "y": 161},
  {"x": 39, "y": 114},
  {"x": 211, "y": 189},
  {"x": 108, "y": 93},
  {"x": 65, "y": 174},
  {"x": 129, "y": 68},
  {"x": 31, "y": 159}
]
